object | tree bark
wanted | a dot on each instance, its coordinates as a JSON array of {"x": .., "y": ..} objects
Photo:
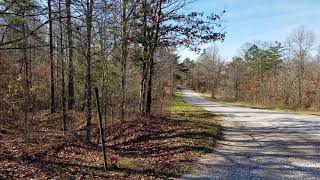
[
  {"x": 143, "y": 86},
  {"x": 52, "y": 86},
  {"x": 151, "y": 62},
  {"x": 149, "y": 94},
  {"x": 144, "y": 77},
  {"x": 26, "y": 84},
  {"x": 88, "y": 70},
  {"x": 300, "y": 81},
  {"x": 213, "y": 91},
  {"x": 124, "y": 48},
  {"x": 63, "y": 96},
  {"x": 71, "y": 99}
]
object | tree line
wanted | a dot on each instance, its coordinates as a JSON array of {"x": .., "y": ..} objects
[
  {"x": 53, "y": 53},
  {"x": 270, "y": 73}
]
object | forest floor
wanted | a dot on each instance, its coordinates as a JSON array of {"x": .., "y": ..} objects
[
  {"x": 155, "y": 148},
  {"x": 261, "y": 106}
]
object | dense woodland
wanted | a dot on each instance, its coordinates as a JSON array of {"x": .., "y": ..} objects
[
  {"x": 284, "y": 74},
  {"x": 55, "y": 53}
]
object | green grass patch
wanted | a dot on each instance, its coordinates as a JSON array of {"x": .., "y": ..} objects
[
  {"x": 203, "y": 128},
  {"x": 197, "y": 117}
]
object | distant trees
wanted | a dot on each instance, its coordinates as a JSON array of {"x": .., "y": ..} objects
[
  {"x": 261, "y": 64},
  {"x": 208, "y": 71},
  {"x": 235, "y": 76},
  {"x": 282, "y": 74},
  {"x": 254, "y": 75},
  {"x": 185, "y": 71},
  {"x": 300, "y": 43}
]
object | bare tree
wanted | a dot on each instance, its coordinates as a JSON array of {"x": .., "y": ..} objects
[
  {"x": 124, "y": 57},
  {"x": 209, "y": 69},
  {"x": 300, "y": 44},
  {"x": 236, "y": 72},
  {"x": 71, "y": 100},
  {"x": 52, "y": 85},
  {"x": 61, "y": 57},
  {"x": 89, "y": 12}
]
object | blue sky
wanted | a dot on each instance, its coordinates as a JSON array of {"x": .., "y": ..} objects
[{"x": 250, "y": 20}]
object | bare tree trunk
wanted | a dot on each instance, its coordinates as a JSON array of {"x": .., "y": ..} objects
[
  {"x": 27, "y": 85},
  {"x": 71, "y": 99},
  {"x": 112, "y": 115},
  {"x": 144, "y": 77},
  {"x": 104, "y": 86},
  {"x": 151, "y": 62},
  {"x": 143, "y": 86},
  {"x": 300, "y": 81},
  {"x": 88, "y": 71},
  {"x": 236, "y": 88},
  {"x": 213, "y": 91},
  {"x": 64, "y": 112},
  {"x": 52, "y": 93},
  {"x": 149, "y": 94},
  {"x": 27, "y": 97},
  {"x": 216, "y": 80},
  {"x": 172, "y": 78},
  {"x": 124, "y": 48}
]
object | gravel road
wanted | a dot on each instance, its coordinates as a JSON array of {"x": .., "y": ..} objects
[{"x": 260, "y": 144}]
